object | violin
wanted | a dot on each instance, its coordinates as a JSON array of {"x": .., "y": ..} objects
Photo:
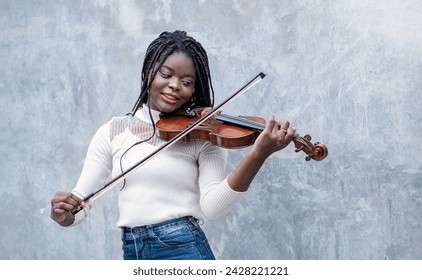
[
  {"x": 204, "y": 127},
  {"x": 229, "y": 132}
]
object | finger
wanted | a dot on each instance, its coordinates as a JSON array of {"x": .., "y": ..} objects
[
  {"x": 76, "y": 198},
  {"x": 271, "y": 125},
  {"x": 284, "y": 125},
  {"x": 291, "y": 130},
  {"x": 66, "y": 203},
  {"x": 59, "y": 215},
  {"x": 205, "y": 111},
  {"x": 63, "y": 206},
  {"x": 290, "y": 134},
  {"x": 59, "y": 211},
  {"x": 68, "y": 198},
  {"x": 281, "y": 129}
]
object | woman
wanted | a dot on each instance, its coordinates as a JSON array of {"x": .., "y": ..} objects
[{"x": 161, "y": 202}]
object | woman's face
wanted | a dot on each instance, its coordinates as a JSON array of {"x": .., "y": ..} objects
[{"x": 174, "y": 84}]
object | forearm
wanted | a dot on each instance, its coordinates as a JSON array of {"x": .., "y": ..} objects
[
  {"x": 273, "y": 138},
  {"x": 240, "y": 179}
]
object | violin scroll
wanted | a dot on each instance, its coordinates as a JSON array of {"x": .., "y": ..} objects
[{"x": 315, "y": 151}]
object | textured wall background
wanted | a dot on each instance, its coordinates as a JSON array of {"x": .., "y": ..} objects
[{"x": 346, "y": 72}]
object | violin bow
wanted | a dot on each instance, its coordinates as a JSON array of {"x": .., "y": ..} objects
[{"x": 114, "y": 181}]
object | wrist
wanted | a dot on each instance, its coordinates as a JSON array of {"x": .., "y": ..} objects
[{"x": 257, "y": 155}]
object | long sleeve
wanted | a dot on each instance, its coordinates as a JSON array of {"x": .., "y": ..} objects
[
  {"x": 217, "y": 197},
  {"x": 97, "y": 168}
]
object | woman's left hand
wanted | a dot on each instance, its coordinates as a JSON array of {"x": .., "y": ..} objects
[{"x": 275, "y": 136}]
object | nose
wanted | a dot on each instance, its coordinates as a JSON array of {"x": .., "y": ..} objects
[{"x": 174, "y": 84}]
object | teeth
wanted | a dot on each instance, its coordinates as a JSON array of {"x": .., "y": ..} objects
[{"x": 170, "y": 96}]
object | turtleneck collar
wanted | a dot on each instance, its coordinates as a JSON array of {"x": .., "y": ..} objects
[{"x": 143, "y": 114}]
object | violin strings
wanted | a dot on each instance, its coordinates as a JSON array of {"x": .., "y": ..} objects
[{"x": 241, "y": 121}]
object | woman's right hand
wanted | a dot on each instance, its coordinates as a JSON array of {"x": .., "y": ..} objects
[{"x": 63, "y": 204}]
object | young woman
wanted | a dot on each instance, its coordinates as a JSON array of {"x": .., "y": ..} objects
[{"x": 161, "y": 202}]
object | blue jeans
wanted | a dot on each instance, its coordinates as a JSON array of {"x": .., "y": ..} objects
[{"x": 179, "y": 239}]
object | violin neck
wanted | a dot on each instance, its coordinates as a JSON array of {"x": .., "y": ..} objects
[{"x": 240, "y": 121}]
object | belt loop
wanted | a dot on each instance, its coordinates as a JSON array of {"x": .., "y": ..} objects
[
  {"x": 196, "y": 222},
  {"x": 192, "y": 221}
]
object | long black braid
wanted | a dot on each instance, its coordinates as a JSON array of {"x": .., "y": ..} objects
[{"x": 160, "y": 49}]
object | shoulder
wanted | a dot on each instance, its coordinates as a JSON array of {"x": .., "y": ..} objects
[
  {"x": 113, "y": 127},
  {"x": 120, "y": 121},
  {"x": 119, "y": 124}
]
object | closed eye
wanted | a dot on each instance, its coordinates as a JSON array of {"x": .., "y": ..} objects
[
  {"x": 164, "y": 75},
  {"x": 187, "y": 83}
]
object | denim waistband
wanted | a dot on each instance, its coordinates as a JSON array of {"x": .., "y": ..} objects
[{"x": 183, "y": 220}]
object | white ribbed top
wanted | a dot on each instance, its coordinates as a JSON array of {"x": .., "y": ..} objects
[{"x": 185, "y": 179}]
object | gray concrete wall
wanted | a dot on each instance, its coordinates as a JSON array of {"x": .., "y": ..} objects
[{"x": 346, "y": 72}]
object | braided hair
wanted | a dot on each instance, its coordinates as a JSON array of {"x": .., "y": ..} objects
[{"x": 160, "y": 49}]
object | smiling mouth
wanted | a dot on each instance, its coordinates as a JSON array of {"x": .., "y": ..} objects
[{"x": 170, "y": 98}]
